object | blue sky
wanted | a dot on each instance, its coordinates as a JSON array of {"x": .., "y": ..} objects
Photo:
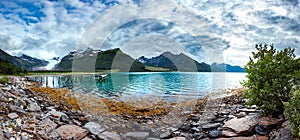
[{"x": 210, "y": 31}]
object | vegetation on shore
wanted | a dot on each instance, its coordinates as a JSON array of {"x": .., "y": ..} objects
[
  {"x": 7, "y": 68},
  {"x": 273, "y": 83}
]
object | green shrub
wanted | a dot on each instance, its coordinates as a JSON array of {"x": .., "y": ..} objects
[
  {"x": 292, "y": 109},
  {"x": 3, "y": 80},
  {"x": 271, "y": 76}
]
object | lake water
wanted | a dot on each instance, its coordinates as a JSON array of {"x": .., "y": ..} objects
[{"x": 122, "y": 84}]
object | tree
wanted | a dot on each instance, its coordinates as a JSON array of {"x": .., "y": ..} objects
[{"x": 271, "y": 76}]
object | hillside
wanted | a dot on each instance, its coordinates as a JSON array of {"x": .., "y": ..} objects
[
  {"x": 24, "y": 61},
  {"x": 9, "y": 68},
  {"x": 96, "y": 60},
  {"x": 180, "y": 62}
]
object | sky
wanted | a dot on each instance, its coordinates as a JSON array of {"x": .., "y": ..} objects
[{"x": 209, "y": 31}]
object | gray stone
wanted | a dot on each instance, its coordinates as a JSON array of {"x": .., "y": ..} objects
[
  {"x": 94, "y": 128},
  {"x": 241, "y": 114},
  {"x": 14, "y": 108},
  {"x": 1, "y": 134},
  {"x": 211, "y": 126},
  {"x": 55, "y": 114},
  {"x": 168, "y": 133},
  {"x": 248, "y": 110},
  {"x": 135, "y": 135},
  {"x": 241, "y": 125},
  {"x": 71, "y": 132},
  {"x": 65, "y": 119},
  {"x": 12, "y": 115},
  {"x": 261, "y": 131},
  {"x": 178, "y": 138},
  {"x": 214, "y": 133},
  {"x": 282, "y": 134},
  {"x": 46, "y": 128},
  {"x": 229, "y": 133},
  {"x": 3, "y": 99},
  {"x": 109, "y": 136},
  {"x": 34, "y": 107},
  {"x": 195, "y": 129}
]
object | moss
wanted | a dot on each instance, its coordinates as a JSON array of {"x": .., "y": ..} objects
[
  {"x": 62, "y": 97},
  {"x": 3, "y": 80}
]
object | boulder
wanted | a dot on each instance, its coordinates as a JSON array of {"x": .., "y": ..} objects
[
  {"x": 268, "y": 122},
  {"x": 229, "y": 133},
  {"x": 94, "y": 128},
  {"x": 241, "y": 125},
  {"x": 12, "y": 115},
  {"x": 34, "y": 107},
  {"x": 72, "y": 132},
  {"x": 135, "y": 135},
  {"x": 178, "y": 138},
  {"x": 109, "y": 136},
  {"x": 245, "y": 138},
  {"x": 214, "y": 133},
  {"x": 283, "y": 133},
  {"x": 211, "y": 126}
]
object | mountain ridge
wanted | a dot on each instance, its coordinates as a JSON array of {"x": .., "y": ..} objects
[
  {"x": 24, "y": 61},
  {"x": 182, "y": 62}
]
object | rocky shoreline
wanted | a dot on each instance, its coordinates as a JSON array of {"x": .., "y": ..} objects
[{"x": 27, "y": 114}]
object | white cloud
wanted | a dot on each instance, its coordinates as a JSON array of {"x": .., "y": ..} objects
[{"x": 227, "y": 30}]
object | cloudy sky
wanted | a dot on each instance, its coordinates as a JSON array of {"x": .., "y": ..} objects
[{"x": 207, "y": 30}]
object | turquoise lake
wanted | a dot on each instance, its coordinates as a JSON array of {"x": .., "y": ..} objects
[{"x": 122, "y": 84}]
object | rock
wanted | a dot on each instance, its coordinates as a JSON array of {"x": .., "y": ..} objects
[
  {"x": 195, "y": 129},
  {"x": 268, "y": 122},
  {"x": 229, "y": 133},
  {"x": 3, "y": 99},
  {"x": 241, "y": 125},
  {"x": 221, "y": 120},
  {"x": 15, "y": 93},
  {"x": 241, "y": 114},
  {"x": 198, "y": 136},
  {"x": 135, "y": 135},
  {"x": 185, "y": 127},
  {"x": 1, "y": 134},
  {"x": 214, "y": 133},
  {"x": 211, "y": 126},
  {"x": 71, "y": 132},
  {"x": 55, "y": 114},
  {"x": 34, "y": 107},
  {"x": 94, "y": 128},
  {"x": 14, "y": 108},
  {"x": 178, "y": 138},
  {"x": 245, "y": 138},
  {"x": 261, "y": 131},
  {"x": 12, "y": 115},
  {"x": 168, "y": 133},
  {"x": 225, "y": 113},
  {"x": 65, "y": 119},
  {"x": 109, "y": 136},
  {"x": 247, "y": 110},
  {"x": 282, "y": 133},
  {"x": 45, "y": 129}
]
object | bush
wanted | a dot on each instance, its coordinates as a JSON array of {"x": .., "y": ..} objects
[
  {"x": 271, "y": 76},
  {"x": 292, "y": 109},
  {"x": 3, "y": 80}
]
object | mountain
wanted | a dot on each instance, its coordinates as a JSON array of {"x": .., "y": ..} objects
[
  {"x": 9, "y": 68},
  {"x": 24, "y": 61},
  {"x": 226, "y": 68},
  {"x": 182, "y": 62},
  {"x": 179, "y": 62},
  {"x": 94, "y": 60}
]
